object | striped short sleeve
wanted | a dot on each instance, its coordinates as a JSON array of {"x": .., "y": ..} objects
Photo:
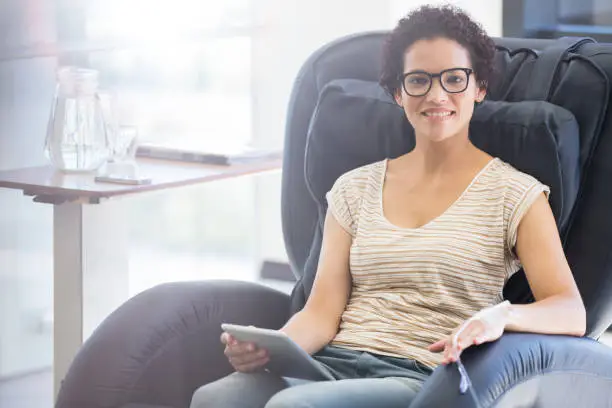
[
  {"x": 521, "y": 192},
  {"x": 343, "y": 204}
]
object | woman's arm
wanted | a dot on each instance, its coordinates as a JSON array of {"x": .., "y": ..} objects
[
  {"x": 558, "y": 308},
  {"x": 317, "y": 323}
]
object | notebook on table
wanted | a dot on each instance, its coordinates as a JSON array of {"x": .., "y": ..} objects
[{"x": 207, "y": 153}]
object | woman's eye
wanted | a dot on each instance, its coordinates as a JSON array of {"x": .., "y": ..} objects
[
  {"x": 418, "y": 81},
  {"x": 454, "y": 79}
]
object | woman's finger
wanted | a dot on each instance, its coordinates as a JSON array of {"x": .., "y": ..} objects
[
  {"x": 248, "y": 358},
  {"x": 447, "y": 350},
  {"x": 241, "y": 363},
  {"x": 252, "y": 366},
  {"x": 462, "y": 341},
  {"x": 240, "y": 348},
  {"x": 467, "y": 337},
  {"x": 226, "y": 338},
  {"x": 245, "y": 358},
  {"x": 437, "y": 346},
  {"x": 484, "y": 335}
]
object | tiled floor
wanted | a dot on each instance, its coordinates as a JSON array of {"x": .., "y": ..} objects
[{"x": 35, "y": 391}]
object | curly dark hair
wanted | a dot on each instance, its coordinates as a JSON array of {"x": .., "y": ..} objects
[{"x": 428, "y": 22}]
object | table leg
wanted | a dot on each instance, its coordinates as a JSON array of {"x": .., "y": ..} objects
[{"x": 90, "y": 274}]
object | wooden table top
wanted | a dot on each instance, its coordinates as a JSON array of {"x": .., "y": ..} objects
[{"x": 53, "y": 186}]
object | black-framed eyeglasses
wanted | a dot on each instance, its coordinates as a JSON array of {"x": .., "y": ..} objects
[{"x": 452, "y": 80}]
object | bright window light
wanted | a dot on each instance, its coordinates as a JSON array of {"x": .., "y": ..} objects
[{"x": 162, "y": 20}]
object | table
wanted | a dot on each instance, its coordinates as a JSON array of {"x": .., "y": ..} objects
[{"x": 90, "y": 260}]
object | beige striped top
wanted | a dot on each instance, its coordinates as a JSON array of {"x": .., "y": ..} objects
[{"x": 412, "y": 287}]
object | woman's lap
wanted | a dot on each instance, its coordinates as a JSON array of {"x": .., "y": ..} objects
[
  {"x": 349, "y": 393},
  {"x": 363, "y": 380},
  {"x": 261, "y": 390}
]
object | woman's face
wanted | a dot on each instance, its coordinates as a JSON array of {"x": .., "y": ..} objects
[{"x": 438, "y": 113}]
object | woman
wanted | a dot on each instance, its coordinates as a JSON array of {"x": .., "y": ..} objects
[{"x": 416, "y": 250}]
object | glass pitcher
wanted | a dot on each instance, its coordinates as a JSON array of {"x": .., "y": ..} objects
[{"x": 77, "y": 139}]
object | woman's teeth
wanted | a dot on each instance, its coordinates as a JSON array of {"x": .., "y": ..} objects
[{"x": 437, "y": 114}]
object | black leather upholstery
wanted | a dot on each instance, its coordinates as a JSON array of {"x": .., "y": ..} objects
[
  {"x": 158, "y": 347},
  {"x": 526, "y": 370}
]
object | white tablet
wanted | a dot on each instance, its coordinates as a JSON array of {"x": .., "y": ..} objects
[{"x": 287, "y": 359}]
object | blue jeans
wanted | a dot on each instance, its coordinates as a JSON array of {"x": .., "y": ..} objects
[{"x": 363, "y": 380}]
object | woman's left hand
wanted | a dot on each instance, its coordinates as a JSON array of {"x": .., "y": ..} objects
[{"x": 485, "y": 326}]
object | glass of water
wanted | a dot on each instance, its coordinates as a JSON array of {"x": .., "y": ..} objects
[{"x": 122, "y": 140}]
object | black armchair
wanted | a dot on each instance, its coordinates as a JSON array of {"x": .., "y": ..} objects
[{"x": 155, "y": 350}]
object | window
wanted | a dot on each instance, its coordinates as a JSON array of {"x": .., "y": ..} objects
[
  {"x": 179, "y": 70},
  {"x": 558, "y": 18},
  {"x": 595, "y": 13}
]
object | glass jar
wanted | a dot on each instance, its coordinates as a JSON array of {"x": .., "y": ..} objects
[{"x": 76, "y": 139}]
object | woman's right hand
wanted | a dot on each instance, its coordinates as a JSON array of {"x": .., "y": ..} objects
[{"x": 245, "y": 357}]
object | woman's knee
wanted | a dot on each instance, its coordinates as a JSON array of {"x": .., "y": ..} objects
[
  {"x": 201, "y": 398},
  {"x": 289, "y": 398},
  {"x": 238, "y": 391},
  {"x": 214, "y": 394}
]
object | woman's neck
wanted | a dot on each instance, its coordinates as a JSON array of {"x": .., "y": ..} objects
[{"x": 443, "y": 156}]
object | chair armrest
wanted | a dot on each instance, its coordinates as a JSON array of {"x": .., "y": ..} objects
[
  {"x": 526, "y": 370},
  {"x": 162, "y": 344}
]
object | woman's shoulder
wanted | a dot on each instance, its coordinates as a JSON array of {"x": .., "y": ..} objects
[
  {"x": 512, "y": 177},
  {"x": 514, "y": 186},
  {"x": 348, "y": 192},
  {"x": 361, "y": 176}
]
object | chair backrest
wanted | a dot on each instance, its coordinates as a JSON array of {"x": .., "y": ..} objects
[{"x": 574, "y": 74}]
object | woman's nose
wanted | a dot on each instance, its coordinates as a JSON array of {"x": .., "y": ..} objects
[{"x": 437, "y": 93}]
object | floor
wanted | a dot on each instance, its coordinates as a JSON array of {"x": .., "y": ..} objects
[
  {"x": 31, "y": 391},
  {"x": 35, "y": 391}
]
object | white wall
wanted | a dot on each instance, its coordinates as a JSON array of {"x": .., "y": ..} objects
[{"x": 291, "y": 31}]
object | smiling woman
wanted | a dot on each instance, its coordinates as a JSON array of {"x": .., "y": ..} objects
[{"x": 433, "y": 96}]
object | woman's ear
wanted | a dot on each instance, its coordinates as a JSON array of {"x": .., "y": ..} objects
[
  {"x": 398, "y": 97},
  {"x": 481, "y": 92}
]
